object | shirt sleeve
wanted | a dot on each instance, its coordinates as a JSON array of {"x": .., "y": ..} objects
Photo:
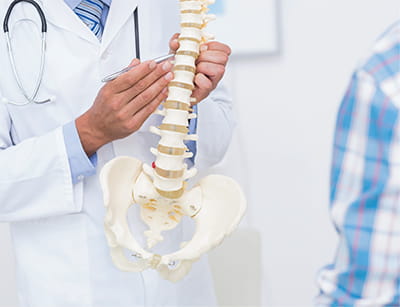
[
  {"x": 81, "y": 165},
  {"x": 365, "y": 185}
]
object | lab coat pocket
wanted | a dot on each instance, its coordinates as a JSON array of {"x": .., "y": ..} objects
[{"x": 33, "y": 119}]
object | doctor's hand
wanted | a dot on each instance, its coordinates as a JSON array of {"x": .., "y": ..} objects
[
  {"x": 210, "y": 66},
  {"x": 122, "y": 105}
]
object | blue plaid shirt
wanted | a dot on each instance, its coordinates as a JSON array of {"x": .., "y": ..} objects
[{"x": 365, "y": 185}]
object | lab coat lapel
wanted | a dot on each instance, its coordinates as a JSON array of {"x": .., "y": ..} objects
[
  {"x": 157, "y": 26},
  {"x": 119, "y": 13},
  {"x": 60, "y": 15}
]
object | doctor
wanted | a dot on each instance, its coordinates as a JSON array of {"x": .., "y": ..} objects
[{"x": 51, "y": 154}]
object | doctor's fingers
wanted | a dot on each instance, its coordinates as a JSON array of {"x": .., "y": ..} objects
[
  {"x": 203, "y": 88},
  {"x": 130, "y": 78},
  {"x": 162, "y": 70},
  {"x": 213, "y": 71},
  {"x": 213, "y": 56},
  {"x": 216, "y": 46},
  {"x": 174, "y": 43},
  {"x": 159, "y": 87},
  {"x": 141, "y": 115}
]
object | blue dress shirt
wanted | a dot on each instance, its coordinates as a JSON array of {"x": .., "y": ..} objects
[{"x": 81, "y": 165}]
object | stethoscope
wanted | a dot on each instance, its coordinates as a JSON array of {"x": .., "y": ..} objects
[{"x": 32, "y": 98}]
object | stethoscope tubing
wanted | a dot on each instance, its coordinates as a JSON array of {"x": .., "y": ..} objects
[
  {"x": 11, "y": 53},
  {"x": 31, "y": 99},
  {"x": 32, "y": 2}
]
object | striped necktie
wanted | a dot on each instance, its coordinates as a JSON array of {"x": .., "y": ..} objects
[{"x": 90, "y": 12}]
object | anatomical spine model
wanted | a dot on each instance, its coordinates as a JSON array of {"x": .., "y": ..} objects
[{"x": 216, "y": 203}]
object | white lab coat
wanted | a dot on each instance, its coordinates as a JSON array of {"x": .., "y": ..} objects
[{"x": 57, "y": 227}]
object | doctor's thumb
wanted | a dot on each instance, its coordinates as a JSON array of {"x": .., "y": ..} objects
[
  {"x": 134, "y": 62},
  {"x": 174, "y": 43}
]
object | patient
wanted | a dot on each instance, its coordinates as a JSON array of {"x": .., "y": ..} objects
[{"x": 365, "y": 185}]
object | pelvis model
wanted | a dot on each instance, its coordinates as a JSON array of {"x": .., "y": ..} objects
[{"x": 216, "y": 203}]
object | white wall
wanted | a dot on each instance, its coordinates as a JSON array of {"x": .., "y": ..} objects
[{"x": 286, "y": 109}]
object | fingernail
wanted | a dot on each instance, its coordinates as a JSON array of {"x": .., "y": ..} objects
[
  {"x": 175, "y": 41},
  {"x": 168, "y": 76},
  {"x": 203, "y": 48},
  {"x": 152, "y": 65},
  {"x": 167, "y": 65}
]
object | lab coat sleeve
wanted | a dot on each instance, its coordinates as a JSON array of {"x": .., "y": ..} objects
[
  {"x": 35, "y": 178},
  {"x": 215, "y": 125}
]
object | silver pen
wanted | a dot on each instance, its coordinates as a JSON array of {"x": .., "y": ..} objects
[{"x": 118, "y": 73}]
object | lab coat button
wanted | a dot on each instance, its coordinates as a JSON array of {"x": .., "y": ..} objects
[
  {"x": 80, "y": 177},
  {"x": 105, "y": 55}
]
